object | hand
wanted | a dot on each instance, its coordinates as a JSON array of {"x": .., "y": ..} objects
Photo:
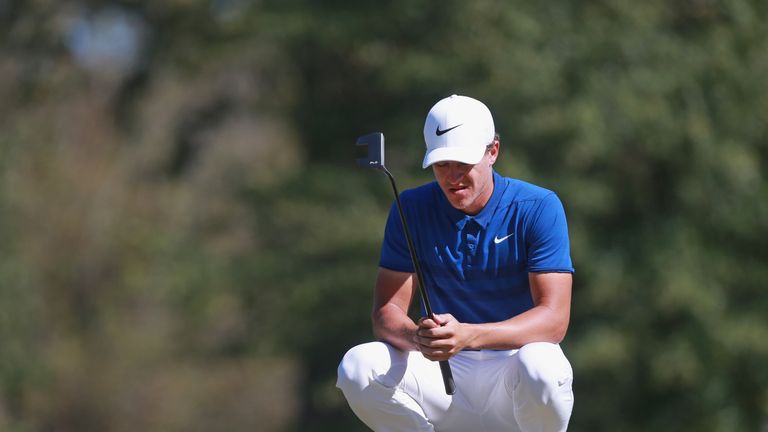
[{"x": 441, "y": 338}]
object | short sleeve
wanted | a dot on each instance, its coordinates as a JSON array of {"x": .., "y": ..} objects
[
  {"x": 394, "y": 249},
  {"x": 548, "y": 244}
]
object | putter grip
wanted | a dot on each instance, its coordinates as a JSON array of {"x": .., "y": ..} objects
[{"x": 450, "y": 386}]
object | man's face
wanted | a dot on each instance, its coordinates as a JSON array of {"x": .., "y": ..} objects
[{"x": 467, "y": 187}]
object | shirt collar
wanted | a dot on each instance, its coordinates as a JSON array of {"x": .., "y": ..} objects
[{"x": 460, "y": 219}]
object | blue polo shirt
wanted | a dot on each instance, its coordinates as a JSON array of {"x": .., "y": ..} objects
[{"x": 476, "y": 267}]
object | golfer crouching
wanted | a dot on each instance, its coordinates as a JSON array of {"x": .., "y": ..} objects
[{"x": 495, "y": 256}]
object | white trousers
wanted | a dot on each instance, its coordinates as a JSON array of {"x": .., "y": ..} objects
[{"x": 525, "y": 390}]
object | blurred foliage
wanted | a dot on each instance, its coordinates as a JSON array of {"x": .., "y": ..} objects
[{"x": 185, "y": 243}]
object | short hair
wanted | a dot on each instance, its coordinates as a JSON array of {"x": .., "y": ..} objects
[{"x": 496, "y": 139}]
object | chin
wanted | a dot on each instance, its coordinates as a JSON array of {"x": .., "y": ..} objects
[{"x": 461, "y": 205}]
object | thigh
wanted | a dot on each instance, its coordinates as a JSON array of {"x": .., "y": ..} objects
[
  {"x": 481, "y": 402},
  {"x": 406, "y": 371},
  {"x": 507, "y": 390},
  {"x": 372, "y": 377},
  {"x": 541, "y": 362},
  {"x": 541, "y": 382}
]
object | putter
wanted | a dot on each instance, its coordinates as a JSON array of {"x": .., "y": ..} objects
[{"x": 374, "y": 142}]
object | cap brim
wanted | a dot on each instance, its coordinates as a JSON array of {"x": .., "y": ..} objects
[{"x": 465, "y": 155}]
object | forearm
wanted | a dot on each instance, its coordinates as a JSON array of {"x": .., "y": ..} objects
[
  {"x": 539, "y": 324},
  {"x": 393, "y": 325},
  {"x": 547, "y": 321}
]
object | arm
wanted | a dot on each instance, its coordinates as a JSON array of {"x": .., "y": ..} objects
[
  {"x": 547, "y": 321},
  {"x": 392, "y": 297}
]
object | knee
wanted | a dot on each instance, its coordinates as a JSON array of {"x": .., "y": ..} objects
[
  {"x": 353, "y": 372},
  {"x": 362, "y": 364},
  {"x": 543, "y": 388},
  {"x": 543, "y": 369}
]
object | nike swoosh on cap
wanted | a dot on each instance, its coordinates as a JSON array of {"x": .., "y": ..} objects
[
  {"x": 439, "y": 132},
  {"x": 498, "y": 240}
]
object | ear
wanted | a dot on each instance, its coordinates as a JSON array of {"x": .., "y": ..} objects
[{"x": 493, "y": 152}]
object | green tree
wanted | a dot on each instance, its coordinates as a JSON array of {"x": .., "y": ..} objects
[{"x": 182, "y": 239}]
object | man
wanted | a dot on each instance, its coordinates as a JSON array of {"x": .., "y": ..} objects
[{"x": 496, "y": 260}]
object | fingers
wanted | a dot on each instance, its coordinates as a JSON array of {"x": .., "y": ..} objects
[
  {"x": 441, "y": 332},
  {"x": 427, "y": 323},
  {"x": 436, "y": 349},
  {"x": 437, "y": 320},
  {"x": 443, "y": 319},
  {"x": 437, "y": 355},
  {"x": 436, "y": 337}
]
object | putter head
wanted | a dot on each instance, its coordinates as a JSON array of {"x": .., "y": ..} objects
[{"x": 374, "y": 143}]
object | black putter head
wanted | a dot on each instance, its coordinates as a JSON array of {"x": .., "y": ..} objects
[{"x": 374, "y": 143}]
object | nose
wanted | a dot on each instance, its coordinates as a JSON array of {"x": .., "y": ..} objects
[{"x": 455, "y": 174}]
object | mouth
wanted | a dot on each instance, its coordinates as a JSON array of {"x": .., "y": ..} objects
[{"x": 457, "y": 189}]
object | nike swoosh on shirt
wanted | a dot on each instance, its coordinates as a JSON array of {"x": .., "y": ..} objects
[
  {"x": 439, "y": 132},
  {"x": 498, "y": 240}
]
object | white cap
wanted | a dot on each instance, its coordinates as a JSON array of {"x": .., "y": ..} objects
[{"x": 458, "y": 128}]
